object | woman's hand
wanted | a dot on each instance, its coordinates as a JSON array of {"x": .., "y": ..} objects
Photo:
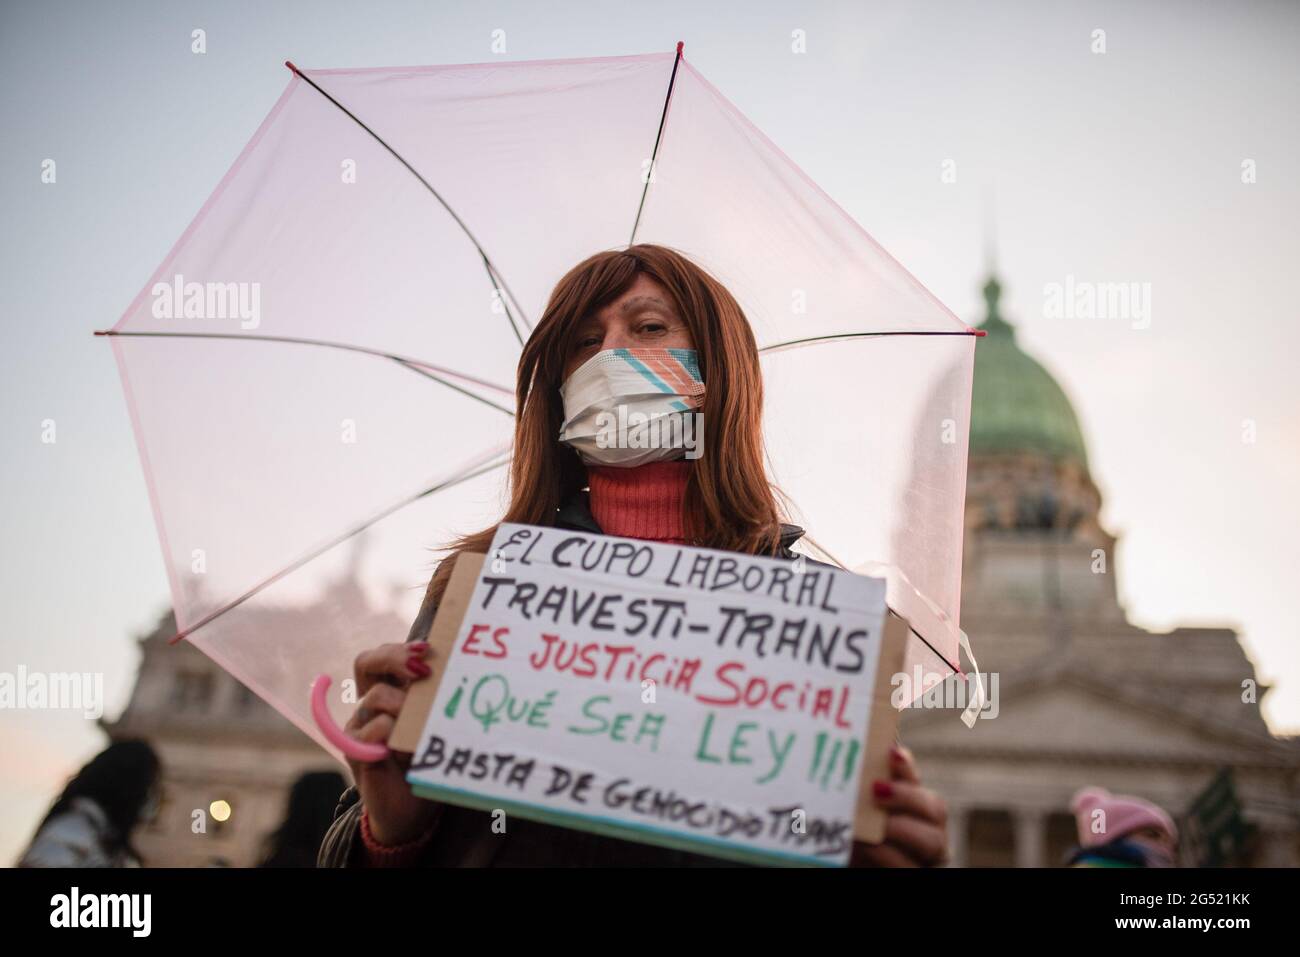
[
  {"x": 916, "y": 834},
  {"x": 383, "y": 674}
]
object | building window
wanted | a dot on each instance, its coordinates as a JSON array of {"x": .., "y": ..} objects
[
  {"x": 245, "y": 701},
  {"x": 1062, "y": 838},
  {"x": 192, "y": 691},
  {"x": 991, "y": 839}
]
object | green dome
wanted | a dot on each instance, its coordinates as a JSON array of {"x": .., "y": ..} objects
[{"x": 1016, "y": 405}]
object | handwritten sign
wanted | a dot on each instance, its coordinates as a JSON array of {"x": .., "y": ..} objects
[{"x": 693, "y": 698}]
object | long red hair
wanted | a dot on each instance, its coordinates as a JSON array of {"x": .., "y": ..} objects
[{"x": 729, "y": 502}]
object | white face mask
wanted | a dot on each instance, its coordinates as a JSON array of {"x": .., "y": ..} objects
[{"x": 627, "y": 407}]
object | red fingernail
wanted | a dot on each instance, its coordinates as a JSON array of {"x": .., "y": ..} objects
[
  {"x": 419, "y": 646},
  {"x": 882, "y": 789},
  {"x": 419, "y": 667},
  {"x": 895, "y": 753}
]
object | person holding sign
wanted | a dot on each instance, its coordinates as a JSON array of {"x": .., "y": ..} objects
[{"x": 639, "y": 400}]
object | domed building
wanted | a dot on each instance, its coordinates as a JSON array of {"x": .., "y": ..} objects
[{"x": 1077, "y": 695}]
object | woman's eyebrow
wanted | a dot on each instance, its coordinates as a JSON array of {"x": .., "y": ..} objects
[{"x": 637, "y": 303}]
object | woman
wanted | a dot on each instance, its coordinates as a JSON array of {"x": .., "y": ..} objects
[
  {"x": 91, "y": 823},
  {"x": 1119, "y": 830},
  {"x": 307, "y": 817},
  {"x": 573, "y": 368}
]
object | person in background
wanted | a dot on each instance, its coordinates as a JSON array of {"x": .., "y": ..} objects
[
  {"x": 1117, "y": 830},
  {"x": 307, "y": 817},
  {"x": 91, "y": 823}
]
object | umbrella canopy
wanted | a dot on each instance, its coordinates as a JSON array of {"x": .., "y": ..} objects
[{"x": 329, "y": 349}]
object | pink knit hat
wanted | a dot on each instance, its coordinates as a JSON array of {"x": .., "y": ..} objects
[{"x": 1123, "y": 815}]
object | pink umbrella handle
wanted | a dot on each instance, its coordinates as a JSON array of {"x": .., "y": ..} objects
[{"x": 354, "y": 749}]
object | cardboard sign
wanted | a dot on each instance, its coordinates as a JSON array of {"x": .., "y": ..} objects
[{"x": 720, "y": 703}]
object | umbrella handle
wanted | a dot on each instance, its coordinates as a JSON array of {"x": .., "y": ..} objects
[{"x": 354, "y": 749}]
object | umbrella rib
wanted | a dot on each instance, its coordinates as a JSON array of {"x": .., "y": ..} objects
[
  {"x": 663, "y": 118},
  {"x": 415, "y": 365},
  {"x": 839, "y": 336},
  {"x": 357, "y": 529},
  {"x": 922, "y": 639},
  {"x": 794, "y": 342},
  {"x": 451, "y": 385},
  {"x": 494, "y": 275}
]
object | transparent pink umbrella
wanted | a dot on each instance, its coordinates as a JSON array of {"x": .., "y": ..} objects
[{"x": 329, "y": 349}]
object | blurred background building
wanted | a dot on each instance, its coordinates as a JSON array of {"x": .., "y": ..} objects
[
  {"x": 1082, "y": 696},
  {"x": 224, "y": 751}
]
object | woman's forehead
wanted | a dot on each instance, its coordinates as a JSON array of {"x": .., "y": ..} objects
[
  {"x": 643, "y": 295},
  {"x": 630, "y": 305}
]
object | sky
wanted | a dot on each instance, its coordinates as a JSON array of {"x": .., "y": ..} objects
[{"x": 957, "y": 134}]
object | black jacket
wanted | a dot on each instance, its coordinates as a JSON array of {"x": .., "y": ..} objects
[{"x": 464, "y": 836}]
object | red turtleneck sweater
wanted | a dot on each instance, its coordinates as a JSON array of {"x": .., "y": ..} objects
[{"x": 641, "y": 502}]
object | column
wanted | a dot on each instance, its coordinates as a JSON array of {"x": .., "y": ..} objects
[
  {"x": 1031, "y": 836},
  {"x": 958, "y": 836}
]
